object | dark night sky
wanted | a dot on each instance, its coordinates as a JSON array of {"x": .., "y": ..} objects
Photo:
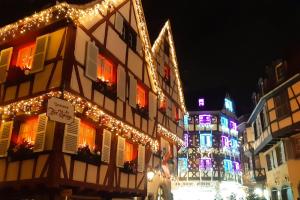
[{"x": 222, "y": 46}]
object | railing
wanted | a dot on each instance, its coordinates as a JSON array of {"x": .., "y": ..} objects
[
  {"x": 260, "y": 174},
  {"x": 262, "y": 137}
]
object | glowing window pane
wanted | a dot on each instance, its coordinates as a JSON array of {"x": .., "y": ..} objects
[
  {"x": 201, "y": 102},
  {"x": 205, "y": 140},
  {"x": 224, "y": 122},
  {"x": 225, "y": 142},
  {"x": 130, "y": 152},
  {"x": 228, "y": 105},
  {"x": 87, "y": 135},
  {"x": 227, "y": 165},
  {"x": 232, "y": 125},
  {"x": 236, "y": 166},
  {"x": 28, "y": 130},
  {"x": 141, "y": 96},
  {"x": 233, "y": 143},
  {"x": 205, "y": 119},
  {"x": 105, "y": 70},
  {"x": 25, "y": 55}
]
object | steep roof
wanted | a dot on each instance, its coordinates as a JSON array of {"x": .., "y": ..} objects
[{"x": 167, "y": 31}]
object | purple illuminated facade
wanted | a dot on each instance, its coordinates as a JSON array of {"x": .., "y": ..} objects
[{"x": 212, "y": 147}]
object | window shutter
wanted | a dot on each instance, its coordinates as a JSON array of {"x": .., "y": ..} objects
[
  {"x": 119, "y": 23},
  {"x": 121, "y": 83},
  {"x": 120, "y": 152},
  {"x": 141, "y": 158},
  {"x": 70, "y": 142},
  {"x": 152, "y": 105},
  {"x": 5, "y": 58},
  {"x": 106, "y": 145},
  {"x": 40, "y": 133},
  {"x": 91, "y": 61},
  {"x": 5, "y": 136},
  {"x": 132, "y": 91},
  {"x": 37, "y": 63}
]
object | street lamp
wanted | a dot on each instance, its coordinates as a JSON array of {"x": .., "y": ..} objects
[{"x": 150, "y": 175}]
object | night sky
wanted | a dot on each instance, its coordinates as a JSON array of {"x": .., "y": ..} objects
[{"x": 222, "y": 46}]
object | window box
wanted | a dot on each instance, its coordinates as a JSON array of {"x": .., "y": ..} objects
[
  {"x": 106, "y": 88},
  {"x": 84, "y": 154},
  {"x": 22, "y": 150},
  {"x": 143, "y": 111},
  {"x": 130, "y": 167}
]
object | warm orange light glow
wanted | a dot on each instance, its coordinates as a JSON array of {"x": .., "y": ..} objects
[
  {"x": 141, "y": 96},
  {"x": 87, "y": 135},
  {"x": 130, "y": 152},
  {"x": 105, "y": 70},
  {"x": 167, "y": 72},
  {"x": 163, "y": 103},
  {"x": 28, "y": 130},
  {"x": 25, "y": 55}
]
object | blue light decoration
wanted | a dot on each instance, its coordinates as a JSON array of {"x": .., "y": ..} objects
[
  {"x": 205, "y": 140},
  {"x": 227, "y": 165},
  {"x": 228, "y": 105},
  {"x": 224, "y": 122},
  {"x": 186, "y": 122},
  {"x": 234, "y": 144},
  {"x": 201, "y": 102},
  {"x": 182, "y": 167}
]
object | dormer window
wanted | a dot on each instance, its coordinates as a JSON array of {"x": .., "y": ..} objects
[
  {"x": 141, "y": 96},
  {"x": 280, "y": 71},
  {"x": 25, "y": 56},
  {"x": 105, "y": 70}
]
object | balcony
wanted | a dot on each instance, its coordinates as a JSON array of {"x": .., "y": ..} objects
[
  {"x": 254, "y": 176},
  {"x": 264, "y": 141}
]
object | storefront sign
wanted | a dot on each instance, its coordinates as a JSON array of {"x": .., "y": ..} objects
[{"x": 60, "y": 110}]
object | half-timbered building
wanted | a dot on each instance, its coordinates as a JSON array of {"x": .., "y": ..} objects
[
  {"x": 85, "y": 108},
  {"x": 209, "y": 166},
  {"x": 271, "y": 139}
]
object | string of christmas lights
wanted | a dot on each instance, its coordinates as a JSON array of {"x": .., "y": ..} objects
[
  {"x": 92, "y": 111},
  {"x": 167, "y": 27},
  {"x": 170, "y": 135}
]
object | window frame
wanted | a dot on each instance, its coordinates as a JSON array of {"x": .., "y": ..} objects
[{"x": 282, "y": 106}]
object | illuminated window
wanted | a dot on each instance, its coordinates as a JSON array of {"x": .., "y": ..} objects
[
  {"x": 105, "y": 70},
  {"x": 28, "y": 130},
  {"x": 25, "y": 55},
  {"x": 228, "y": 105},
  {"x": 141, "y": 96},
  {"x": 225, "y": 142},
  {"x": 234, "y": 144},
  {"x": 227, "y": 165},
  {"x": 224, "y": 122},
  {"x": 205, "y": 140},
  {"x": 163, "y": 104},
  {"x": 204, "y": 119},
  {"x": 205, "y": 163},
  {"x": 87, "y": 135},
  {"x": 236, "y": 166},
  {"x": 167, "y": 72},
  {"x": 130, "y": 152},
  {"x": 232, "y": 125}
]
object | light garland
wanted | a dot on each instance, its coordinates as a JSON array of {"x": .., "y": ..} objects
[
  {"x": 167, "y": 27},
  {"x": 55, "y": 13},
  {"x": 78, "y": 14},
  {"x": 92, "y": 111},
  {"x": 170, "y": 135}
]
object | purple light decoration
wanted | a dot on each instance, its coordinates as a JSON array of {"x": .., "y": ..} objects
[
  {"x": 232, "y": 125},
  {"x": 204, "y": 119},
  {"x": 236, "y": 166},
  {"x": 201, "y": 102},
  {"x": 225, "y": 142},
  {"x": 186, "y": 140},
  {"x": 205, "y": 163}
]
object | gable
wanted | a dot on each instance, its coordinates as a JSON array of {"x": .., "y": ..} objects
[{"x": 164, "y": 45}]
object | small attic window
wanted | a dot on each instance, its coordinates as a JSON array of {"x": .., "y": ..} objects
[
  {"x": 166, "y": 47},
  {"x": 280, "y": 71}
]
